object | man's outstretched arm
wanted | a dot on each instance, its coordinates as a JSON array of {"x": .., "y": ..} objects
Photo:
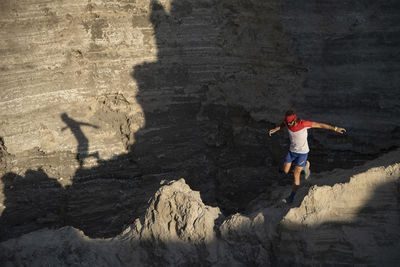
[
  {"x": 277, "y": 128},
  {"x": 89, "y": 124},
  {"x": 328, "y": 127}
]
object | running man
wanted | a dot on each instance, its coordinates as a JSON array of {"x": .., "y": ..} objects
[{"x": 298, "y": 151}]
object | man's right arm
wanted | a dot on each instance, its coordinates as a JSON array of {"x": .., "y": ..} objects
[{"x": 277, "y": 128}]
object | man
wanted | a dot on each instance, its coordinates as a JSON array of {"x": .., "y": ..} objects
[{"x": 298, "y": 151}]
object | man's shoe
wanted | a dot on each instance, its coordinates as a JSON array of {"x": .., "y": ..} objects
[
  {"x": 289, "y": 199},
  {"x": 306, "y": 173}
]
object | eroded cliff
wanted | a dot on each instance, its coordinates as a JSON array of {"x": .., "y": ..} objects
[{"x": 101, "y": 100}]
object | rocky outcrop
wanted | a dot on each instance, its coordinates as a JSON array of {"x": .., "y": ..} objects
[
  {"x": 178, "y": 228},
  {"x": 345, "y": 224},
  {"x": 356, "y": 222}
]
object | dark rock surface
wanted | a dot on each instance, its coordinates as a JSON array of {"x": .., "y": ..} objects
[{"x": 350, "y": 50}]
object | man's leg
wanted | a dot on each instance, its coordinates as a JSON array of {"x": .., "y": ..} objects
[
  {"x": 285, "y": 173},
  {"x": 296, "y": 178},
  {"x": 306, "y": 170},
  {"x": 296, "y": 184},
  {"x": 286, "y": 167}
]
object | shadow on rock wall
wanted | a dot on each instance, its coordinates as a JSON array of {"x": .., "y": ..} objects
[
  {"x": 187, "y": 134},
  {"x": 98, "y": 200},
  {"x": 32, "y": 202}
]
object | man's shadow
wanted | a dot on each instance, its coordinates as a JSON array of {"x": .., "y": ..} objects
[{"x": 83, "y": 143}]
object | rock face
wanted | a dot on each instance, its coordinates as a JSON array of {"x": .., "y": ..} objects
[
  {"x": 353, "y": 223},
  {"x": 350, "y": 54},
  {"x": 101, "y": 100}
]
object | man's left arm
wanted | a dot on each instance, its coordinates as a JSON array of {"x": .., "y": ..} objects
[{"x": 328, "y": 127}]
